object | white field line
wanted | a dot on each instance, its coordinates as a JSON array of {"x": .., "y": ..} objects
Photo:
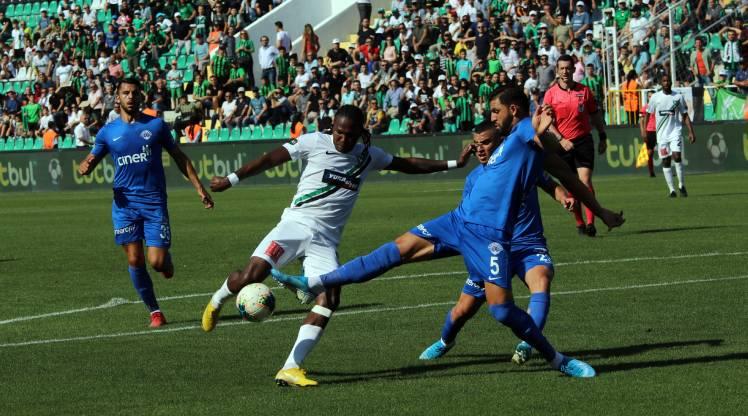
[
  {"x": 120, "y": 301},
  {"x": 359, "y": 312}
]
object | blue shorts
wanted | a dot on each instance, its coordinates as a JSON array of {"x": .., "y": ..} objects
[
  {"x": 137, "y": 224},
  {"x": 521, "y": 259},
  {"x": 484, "y": 255}
]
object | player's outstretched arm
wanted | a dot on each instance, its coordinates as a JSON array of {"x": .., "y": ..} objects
[
  {"x": 185, "y": 166},
  {"x": 276, "y": 157},
  {"x": 88, "y": 164},
  {"x": 415, "y": 165}
]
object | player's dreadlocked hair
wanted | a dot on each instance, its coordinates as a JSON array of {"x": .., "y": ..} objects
[{"x": 359, "y": 120}]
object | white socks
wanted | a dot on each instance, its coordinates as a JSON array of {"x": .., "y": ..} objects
[
  {"x": 221, "y": 295},
  {"x": 679, "y": 172},
  {"x": 668, "y": 172},
  {"x": 308, "y": 337}
]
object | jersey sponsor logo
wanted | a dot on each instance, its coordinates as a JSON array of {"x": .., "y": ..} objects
[
  {"x": 124, "y": 230},
  {"x": 495, "y": 248},
  {"x": 142, "y": 157},
  {"x": 146, "y": 134},
  {"x": 274, "y": 251},
  {"x": 471, "y": 283},
  {"x": 496, "y": 154},
  {"x": 340, "y": 179},
  {"x": 424, "y": 231}
]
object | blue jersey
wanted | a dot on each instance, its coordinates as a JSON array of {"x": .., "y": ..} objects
[
  {"x": 135, "y": 147},
  {"x": 508, "y": 181},
  {"x": 528, "y": 228}
]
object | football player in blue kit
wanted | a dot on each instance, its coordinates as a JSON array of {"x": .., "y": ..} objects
[
  {"x": 481, "y": 228},
  {"x": 529, "y": 256},
  {"x": 139, "y": 211}
]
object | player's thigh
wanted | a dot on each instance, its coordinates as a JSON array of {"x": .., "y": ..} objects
[
  {"x": 156, "y": 227},
  {"x": 284, "y": 243},
  {"x": 437, "y": 238},
  {"x": 320, "y": 258},
  {"x": 128, "y": 225},
  {"x": 533, "y": 265},
  {"x": 486, "y": 256}
]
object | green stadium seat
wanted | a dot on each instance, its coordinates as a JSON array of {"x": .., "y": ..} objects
[
  {"x": 44, "y": 5},
  {"x": 100, "y": 16},
  {"x": 223, "y": 136},
  {"x": 189, "y": 75},
  {"x": 715, "y": 42},
  {"x": 247, "y": 133},
  {"x": 35, "y": 9},
  {"x": 67, "y": 142},
  {"x": 2, "y": 145},
  {"x": 405, "y": 126},
  {"x": 10, "y": 12},
  {"x": 10, "y": 144},
  {"x": 125, "y": 66},
  {"x": 257, "y": 133},
  {"x": 79, "y": 3},
  {"x": 33, "y": 21},
  {"x": 287, "y": 131},
  {"x": 235, "y": 135},
  {"x": 267, "y": 132},
  {"x": 213, "y": 135},
  {"x": 52, "y": 8},
  {"x": 28, "y": 144},
  {"x": 19, "y": 144},
  {"x": 394, "y": 127},
  {"x": 182, "y": 62},
  {"x": 27, "y": 9},
  {"x": 162, "y": 62},
  {"x": 278, "y": 132},
  {"x": 38, "y": 143},
  {"x": 18, "y": 87},
  {"x": 87, "y": 2},
  {"x": 190, "y": 60}
]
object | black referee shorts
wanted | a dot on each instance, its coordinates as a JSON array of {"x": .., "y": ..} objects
[
  {"x": 582, "y": 155},
  {"x": 651, "y": 140}
]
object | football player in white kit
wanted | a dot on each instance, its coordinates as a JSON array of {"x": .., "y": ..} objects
[
  {"x": 336, "y": 167},
  {"x": 670, "y": 113}
]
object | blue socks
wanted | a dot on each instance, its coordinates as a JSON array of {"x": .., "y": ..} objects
[
  {"x": 144, "y": 286},
  {"x": 364, "y": 268},
  {"x": 539, "y": 305},
  {"x": 523, "y": 327},
  {"x": 450, "y": 329}
]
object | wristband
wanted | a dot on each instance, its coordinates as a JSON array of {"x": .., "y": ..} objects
[
  {"x": 451, "y": 164},
  {"x": 233, "y": 178}
]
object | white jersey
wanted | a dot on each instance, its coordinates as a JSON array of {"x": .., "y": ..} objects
[
  {"x": 668, "y": 110},
  {"x": 330, "y": 182}
]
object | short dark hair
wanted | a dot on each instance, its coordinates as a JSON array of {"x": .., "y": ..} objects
[
  {"x": 279, "y": 24},
  {"x": 511, "y": 95},
  {"x": 564, "y": 58},
  {"x": 132, "y": 81},
  {"x": 484, "y": 126}
]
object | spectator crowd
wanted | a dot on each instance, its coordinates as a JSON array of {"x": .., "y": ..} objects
[{"x": 429, "y": 65}]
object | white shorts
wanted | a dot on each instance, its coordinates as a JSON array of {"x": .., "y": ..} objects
[
  {"x": 665, "y": 148},
  {"x": 290, "y": 240}
]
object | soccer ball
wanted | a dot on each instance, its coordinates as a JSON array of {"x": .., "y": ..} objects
[{"x": 255, "y": 302}]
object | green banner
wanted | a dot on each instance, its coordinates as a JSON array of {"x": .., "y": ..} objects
[
  {"x": 719, "y": 147},
  {"x": 730, "y": 105}
]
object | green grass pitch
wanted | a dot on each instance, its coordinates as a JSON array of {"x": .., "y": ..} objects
[{"x": 657, "y": 307}]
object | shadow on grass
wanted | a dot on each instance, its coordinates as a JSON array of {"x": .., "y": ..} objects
[
  {"x": 457, "y": 361},
  {"x": 677, "y": 229},
  {"x": 230, "y": 314},
  {"x": 7, "y": 260}
]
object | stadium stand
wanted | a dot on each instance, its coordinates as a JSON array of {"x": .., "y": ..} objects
[{"x": 415, "y": 67}]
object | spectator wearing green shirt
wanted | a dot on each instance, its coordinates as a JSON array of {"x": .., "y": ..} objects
[
  {"x": 244, "y": 50},
  {"x": 187, "y": 11},
  {"x": 220, "y": 65},
  {"x": 175, "y": 77},
  {"x": 130, "y": 49},
  {"x": 157, "y": 42},
  {"x": 282, "y": 64},
  {"x": 237, "y": 76},
  {"x": 494, "y": 64},
  {"x": 622, "y": 14},
  {"x": 31, "y": 113},
  {"x": 595, "y": 83},
  {"x": 464, "y": 108}
]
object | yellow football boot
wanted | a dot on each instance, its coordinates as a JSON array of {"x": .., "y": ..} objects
[
  {"x": 293, "y": 377},
  {"x": 210, "y": 317}
]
